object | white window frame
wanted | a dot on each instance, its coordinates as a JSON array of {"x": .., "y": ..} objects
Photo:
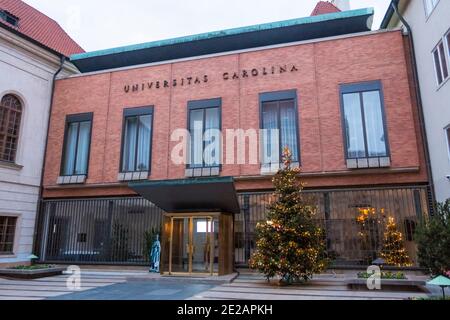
[
  {"x": 428, "y": 10},
  {"x": 446, "y": 56},
  {"x": 447, "y": 45},
  {"x": 446, "y": 129}
]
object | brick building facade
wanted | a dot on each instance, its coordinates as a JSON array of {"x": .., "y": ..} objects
[{"x": 320, "y": 72}]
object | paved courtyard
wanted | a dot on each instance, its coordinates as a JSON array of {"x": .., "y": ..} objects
[{"x": 143, "y": 286}]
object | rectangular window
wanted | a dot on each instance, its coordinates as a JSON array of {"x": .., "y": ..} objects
[
  {"x": 447, "y": 39},
  {"x": 7, "y": 234},
  {"x": 279, "y": 121},
  {"x": 440, "y": 62},
  {"x": 364, "y": 125},
  {"x": 204, "y": 127},
  {"x": 77, "y": 145},
  {"x": 9, "y": 18},
  {"x": 429, "y": 6},
  {"x": 137, "y": 139}
]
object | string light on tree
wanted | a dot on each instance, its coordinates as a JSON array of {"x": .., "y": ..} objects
[
  {"x": 393, "y": 250},
  {"x": 289, "y": 244}
]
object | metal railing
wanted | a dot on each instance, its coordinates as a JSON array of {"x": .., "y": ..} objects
[
  {"x": 119, "y": 230},
  {"x": 102, "y": 231}
]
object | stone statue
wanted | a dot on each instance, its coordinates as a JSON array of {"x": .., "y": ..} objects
[{"x": 155, "y": 254}]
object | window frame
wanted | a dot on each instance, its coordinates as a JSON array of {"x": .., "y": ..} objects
[
  {"x": 446, "y": 40},
  {"x": 446, "y": 57},
  {"x": 13, "y": 248},
  {"x": 19, "y": 127},
  {"x": 76, "y": 118},
  {"x": 197, "y": 105},
  {"x": 447, "y": 138},
  {"x": 278, "y": 96},
  {"x": 131, "y": 113},
  {"x": 6, "y": 15},
  {"x": 428, "y": 13},
  {"x": 360, "y": 88}
]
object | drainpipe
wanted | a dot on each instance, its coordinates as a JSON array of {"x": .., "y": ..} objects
[
  {"x": 41, "y": 185},
  {"x": 423, "y": 132}
]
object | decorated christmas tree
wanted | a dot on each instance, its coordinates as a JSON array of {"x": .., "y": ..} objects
[
  {"x": 393, "y": 251},
  {"x": 289, "y": 244}
]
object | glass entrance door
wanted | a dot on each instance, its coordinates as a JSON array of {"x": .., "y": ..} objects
[
  {"x": 201, "y": 245},
  {"x": 179, "y": 250},
  {"x": 194, "y": 246}
]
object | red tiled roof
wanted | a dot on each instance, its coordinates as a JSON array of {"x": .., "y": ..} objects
[
  {"x": 324, "y": 7},
  {"x": 36, "y": 25}
]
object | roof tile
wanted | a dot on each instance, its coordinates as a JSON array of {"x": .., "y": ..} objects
[
  {"x": 36, "y": 25},
  {"x": 324, "y": 7}
]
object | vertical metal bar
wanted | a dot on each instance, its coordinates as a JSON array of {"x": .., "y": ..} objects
[
  {"x": 211, "y": 245},
  {"x": 190, "y": 241},
  {"x": 418, "y": 205},
  {"x": 246, "y": 227}
]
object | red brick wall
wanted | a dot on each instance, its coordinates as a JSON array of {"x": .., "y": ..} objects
[{"x": 322, "y": 67}]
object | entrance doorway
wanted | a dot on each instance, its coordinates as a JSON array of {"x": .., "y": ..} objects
[
  {"x": 193, "y": 245},
  {"x": 197, "y": 244}
]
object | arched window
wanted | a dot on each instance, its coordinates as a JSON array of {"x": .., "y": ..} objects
[{"x": 10, "y": 115}]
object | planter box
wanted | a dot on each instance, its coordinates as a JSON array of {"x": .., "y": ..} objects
[
  {"x": 390, "y": 285},
  {"x": 31, "y": 274}
]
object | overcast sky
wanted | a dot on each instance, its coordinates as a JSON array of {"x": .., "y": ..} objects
[{"x": 102, "y": 24}]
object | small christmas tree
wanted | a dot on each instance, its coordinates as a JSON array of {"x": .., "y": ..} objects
[
  {"x": 289, "y": 244},
  {"x": 393, "y": 251}
]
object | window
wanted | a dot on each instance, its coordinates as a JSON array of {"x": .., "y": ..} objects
[
  {"x": 9, "y": 18},
  {"x": 364, "y": 125},
  {"x": 10, "y": 115},
  {"x": 440, "y": 63},
  {"x": 204, "y": 148},
  {"x": 7, "y": 234},
  {"x": 137, "y": 141},
  {"x": 204, "y": 227},
  {"x": 279, "y": 121},
  {"x": 447, "y": 133},
  {"x": 77, "y": 145},
  {"x": 447, "y": 38},
  {"x": 430, "y": 5}
]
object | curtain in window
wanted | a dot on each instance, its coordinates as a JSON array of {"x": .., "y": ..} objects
[
  {"x": 354, "y": 126},
  {"x": 429, "y": 5},
  {"x": 70, "y": 149},
  {"x": 83, "y": 148},
  {"x": 443, "y": 60},
  {"x": 437, "y": 64},
  {"x": 289, "y": 127},
  {"x": 376, "y": 141},
  {"x": 448, "y": 139},
  {"x": 270, "y": 136},
  {"x": 212, "y": 137},
  {"x": 129, "y": 148},
  {"x": 143, "y": 158},
  {"x": 196, "y": 130}
]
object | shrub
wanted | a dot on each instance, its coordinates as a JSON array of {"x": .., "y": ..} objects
[{"x": 433, "y": 241}]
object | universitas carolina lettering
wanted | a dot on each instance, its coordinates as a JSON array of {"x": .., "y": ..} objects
[{"x": 197, "y": 80}]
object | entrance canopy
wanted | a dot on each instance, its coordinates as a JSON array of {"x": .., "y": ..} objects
[{"x": 191, "y": 195}]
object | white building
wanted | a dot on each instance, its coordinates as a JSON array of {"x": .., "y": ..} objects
[
  {"x": 32, "y": 48},
  {"x": 430, "y": 24}
]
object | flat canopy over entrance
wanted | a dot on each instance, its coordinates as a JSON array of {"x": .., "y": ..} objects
[{"x": 191, "y": 195}]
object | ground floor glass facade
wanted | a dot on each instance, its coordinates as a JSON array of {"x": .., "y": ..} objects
[{"x": 119, "y": 230}]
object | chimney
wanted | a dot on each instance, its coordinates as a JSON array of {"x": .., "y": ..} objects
[{"x": 343, "y": 5}]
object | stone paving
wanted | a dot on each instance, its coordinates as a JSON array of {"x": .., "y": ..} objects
[
  {"x": 140, "y": 285},
  {"x": 255, "y": 287}
]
